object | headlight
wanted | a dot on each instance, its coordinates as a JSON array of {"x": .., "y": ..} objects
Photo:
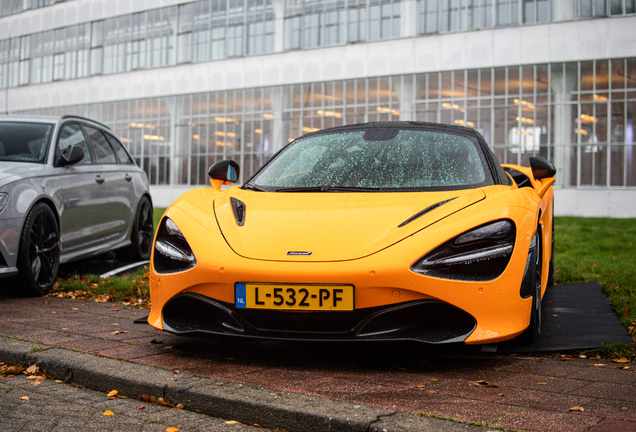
[
  {"x": 480, "y": 254},
  {"x": 172, "y": 251},
  {"x": 4, "y": 198}
]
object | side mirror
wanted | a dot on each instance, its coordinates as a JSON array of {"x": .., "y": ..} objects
[
  {"x": 542, "y": 168},
  {"x": 224, "y": 172},
  {"x": 71, "y": 155}
]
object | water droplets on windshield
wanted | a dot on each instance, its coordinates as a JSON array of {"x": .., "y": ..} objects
[{"x": 410, "y": 159}]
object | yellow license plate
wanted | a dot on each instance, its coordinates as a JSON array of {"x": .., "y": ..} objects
[{"x": 294, "y": 297}]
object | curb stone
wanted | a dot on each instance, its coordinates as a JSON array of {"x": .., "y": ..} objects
[{"x": 246, "y": 404}]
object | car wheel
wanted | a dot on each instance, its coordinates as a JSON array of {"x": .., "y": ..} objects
[
  {"x": 39, "y": 252},
  {"x": 142, "y": 233},
  {"x": 533, "y": 331}
]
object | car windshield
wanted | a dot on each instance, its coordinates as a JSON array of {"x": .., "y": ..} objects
[
  {"x": 375, "y": 159},
  {"x": 23, "y": 142}
]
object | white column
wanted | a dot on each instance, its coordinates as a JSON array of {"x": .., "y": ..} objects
[
  {"x": 562, "y": 85},
  {"x": 408, "y": 18},
  {"x": 404, "y": 88},
  {"x": 563, "y": 10},
  {"x": 276, "y": 98},
  {"x": 279, "y": 25}
]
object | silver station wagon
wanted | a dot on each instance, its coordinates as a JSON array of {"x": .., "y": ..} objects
[{"x": 68, "y": 190}]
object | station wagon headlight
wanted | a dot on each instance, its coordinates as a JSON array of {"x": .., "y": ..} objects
[
  {"x": 172, "y": 252},
  {"x": 4, "y": 198},
  {"x": 480, "y": 254}
]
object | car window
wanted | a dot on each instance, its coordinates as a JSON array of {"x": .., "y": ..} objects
[
  {"x": 71, "y": 134},
  {"x": 23, "y": 142},
  {"x": 104, "y": 153},
  {"x": 399, "y": 159},
  {"x": 122, "y": 155}
]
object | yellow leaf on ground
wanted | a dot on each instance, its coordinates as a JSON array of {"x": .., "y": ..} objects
[
  {"x": 32, "y": 369},
  {"x": 542, "y": 383},
  {"x": 577, "y": 409},
  {"x": 109, "y": 413},
  {"x": 621, "y": 360},
  {"x": 172, "y": 429},
  {"x": 599, "y": 364},
  {"x": 230, "y": 421},
  {"x": 36, "y": 383},
  {"x": 112, "y": 393},
  {"x": 24, "y": 398},
  {"x": 180, "y": 406}
]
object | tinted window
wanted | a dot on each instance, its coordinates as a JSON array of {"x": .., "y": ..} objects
[
  {"x": 119, "y": 150},
  {"x": 23, "y": 142},
  {"x": 377, "y": 159},
  {"x": 104, "y": 153},
  {"x": 72, "y": 135}
]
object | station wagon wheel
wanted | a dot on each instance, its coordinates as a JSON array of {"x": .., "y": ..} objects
[
  {"x": 142, "y": 233},
  {"x": 39, "y": 252}
]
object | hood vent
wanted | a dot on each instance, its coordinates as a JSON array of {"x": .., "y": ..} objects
[
  {"x": 239, "y": 209},
  {"x": 423, "y": 212}
]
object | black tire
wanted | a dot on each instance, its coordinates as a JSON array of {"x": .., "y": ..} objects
[
  {"x": 142, "y": 234},
  {"x": 38, "y": 253},
  {"x": 532, "y": 333}
]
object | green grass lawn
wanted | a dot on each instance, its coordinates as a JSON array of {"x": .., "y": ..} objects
[{"x": 603, "y": 250}]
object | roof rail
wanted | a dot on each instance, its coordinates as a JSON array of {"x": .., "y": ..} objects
[{"x": 84, "y": 118}]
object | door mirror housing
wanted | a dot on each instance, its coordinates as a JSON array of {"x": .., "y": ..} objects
[
  {"x": 542, "y": 168},
  {"x": 71, "y": 155},
  {"x": 223, "y": 173}
]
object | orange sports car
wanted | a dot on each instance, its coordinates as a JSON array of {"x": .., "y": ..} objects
[{"x": 377, "y": 231}]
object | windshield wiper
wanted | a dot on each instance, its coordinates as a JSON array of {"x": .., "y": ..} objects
[
  {"x": 325, "y": 188},
  {"x": 252, "y": 187}
]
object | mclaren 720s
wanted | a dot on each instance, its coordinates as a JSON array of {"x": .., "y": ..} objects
[{"x": 369, "y": 232}]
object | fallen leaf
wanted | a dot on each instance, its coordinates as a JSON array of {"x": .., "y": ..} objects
[
  {"x": 500, "y": 394},
  {"x": 74, "y": 309},
  {"x": 36, "y": 383},
  {"x": 172, "y": 429},
  {"x": 624, "y": 367},
  {"x": 40, "y": 378},
  {"x": 140, "y": 407},
  {"x": 420, "y": 386},
  {"x": 431, "y": 391},
  {"x": 116, "y": 332},
  {"x": 32, "y": 369},
  {"x": 180, "y": 406},
  {"x": 577, "y": 409},
  {"x": 112, "y": 393},
  {"x": 109, "y": 413},
  {"x": 153, "y": 399},
  {"x": 24, "y": 398},
  {"x": 621, "y": 360},
  {"x": 434, "y": 379},
  {"x": 13, "y": 370},
  {"x": 599, "y": 364},
  {"x": 59, "y": 381},
  {"x": 230, "y": 421},
  {"x": 542, "y": 383},
  {"x": 145, "y": 398},
  {"x": 582, "y": 356}
]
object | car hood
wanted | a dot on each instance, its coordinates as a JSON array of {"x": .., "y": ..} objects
[
  {"x": 330, "y": 226},
  {"x": 10, "y": 171}
]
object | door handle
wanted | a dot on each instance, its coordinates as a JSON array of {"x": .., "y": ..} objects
[
  {"x": 128, "y": 177},
  {"x": 99, "y": 180}
]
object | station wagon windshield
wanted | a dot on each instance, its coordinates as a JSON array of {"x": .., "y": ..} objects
[
  {"x": 374, "y": 159},
  {"x": 24, "y": 142}
]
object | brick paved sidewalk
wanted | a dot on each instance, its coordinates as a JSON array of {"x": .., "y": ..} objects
[
  {"x": 58, "y": 407},
  {"x": 511, "y": 392}
]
